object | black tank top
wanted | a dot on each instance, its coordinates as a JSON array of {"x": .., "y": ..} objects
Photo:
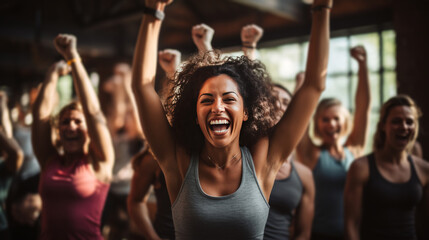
[
  {"x": 284, "y": 199},
  {"x": 163, "y": 223},
  {"x": 389, "y": 208}
]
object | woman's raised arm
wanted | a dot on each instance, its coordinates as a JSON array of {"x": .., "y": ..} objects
[
  {"x": 359, "y": 132},
  {"x": 152, "y": 116},
  {"x": 295, "y": 120},
  {"x": 14, "y": 155},
  {"x": 101, "y": 148},
  {"x": 41, "y": 129}
]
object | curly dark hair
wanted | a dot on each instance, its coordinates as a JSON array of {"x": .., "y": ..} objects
[{"x": 254, "y": 85}]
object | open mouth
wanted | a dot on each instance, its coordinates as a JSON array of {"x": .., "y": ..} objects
[
  {"x": 219, "y": 126},
  {"x": 71, "y": 138},
  {"x": 402, "y": 137}
]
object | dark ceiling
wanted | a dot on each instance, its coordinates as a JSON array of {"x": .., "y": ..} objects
[{"x": 107, "y": 29}]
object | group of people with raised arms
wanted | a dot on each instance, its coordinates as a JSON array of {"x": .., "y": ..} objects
[{"x": 227, "y": 151}]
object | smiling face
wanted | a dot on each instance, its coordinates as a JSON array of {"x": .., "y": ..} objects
[
  {"x": 400, "y": 128},
  {"x": 73, "y": 132},
  {"x": 220, "y": 111},
  {"x": 331, "y": 124},
  {"x": 284, "y": 99}
]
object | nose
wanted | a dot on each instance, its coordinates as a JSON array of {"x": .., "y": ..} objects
[
  {"x": 72, "y": 125},
  {"x": 403, "y": 125},
  {"x": 218, "y": 107}
]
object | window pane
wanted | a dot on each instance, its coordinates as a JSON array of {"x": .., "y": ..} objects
[
  {"x": 389, "y": 88},
  {"x": 65, "y": 90},
  {"x": 373, "y": 120},
  {"x": 338, "y": 56},
  {"x": 282, "y": 62},
  {"x": 372, "y": 46},
  {"x": 337, "y": 87},
  {"x": 389, "y": 54}
]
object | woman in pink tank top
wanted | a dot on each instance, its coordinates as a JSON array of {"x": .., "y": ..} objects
[{"x": 75, "y": 175}]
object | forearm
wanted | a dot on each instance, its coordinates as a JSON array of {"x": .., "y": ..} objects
[
  {"x": 139, "y": 214},
  {"x": 249, "y": 52},
  {"x": 363, "y": 95},
  {"x": 84, "y": 89},
  {"x": 5, "y": 121},
  {"x": 318, "y": 53},
  {"x": 44, "y": 104}
]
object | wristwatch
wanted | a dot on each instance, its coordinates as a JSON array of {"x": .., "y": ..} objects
[{"x": 156, "y": 13}]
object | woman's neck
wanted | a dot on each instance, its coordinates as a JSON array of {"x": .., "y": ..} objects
[
  {"x": 69, "y": 158},
  {"x": 335, "y": 149},
  {"x": 221, "y": 157},
  {"x": 391, "y": 155}
]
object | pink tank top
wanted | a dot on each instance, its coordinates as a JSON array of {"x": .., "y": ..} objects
[{"x": 73, "y": 200}]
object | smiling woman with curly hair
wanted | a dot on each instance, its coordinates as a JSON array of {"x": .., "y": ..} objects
[
  {"x": 253, "y": 85},
  {"x": 221, "y": 154}
]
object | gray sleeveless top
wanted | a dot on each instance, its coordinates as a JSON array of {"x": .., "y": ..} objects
[{"x": 240, "y": 215}]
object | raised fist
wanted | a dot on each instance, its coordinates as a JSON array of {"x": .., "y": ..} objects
[
  {"x": 202, "y": 36},
  {"x": 251, "y": 34},
  {"x": 169, "y": 59},
  {"x": 358, "y": 53},
  {"x": 66, "y": 45}
]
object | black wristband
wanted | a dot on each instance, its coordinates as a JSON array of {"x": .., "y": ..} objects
[{"x": 156, "y": 13}]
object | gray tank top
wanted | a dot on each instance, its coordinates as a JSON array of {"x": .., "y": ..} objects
[{"x": 240, "y": 215}]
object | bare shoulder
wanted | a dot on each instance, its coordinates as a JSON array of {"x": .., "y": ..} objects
[
  {"x": 360, "y": 168},
  {"x": 144, "y": 162},
  {"x": 421, "y": 163}
]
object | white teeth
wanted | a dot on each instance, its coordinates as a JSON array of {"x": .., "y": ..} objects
[
  {"x": 221, "y": 131},
  {"x": 218, "y": 122}
]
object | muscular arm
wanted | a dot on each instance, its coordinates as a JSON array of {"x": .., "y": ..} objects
[{"x": 357, "y": 176}]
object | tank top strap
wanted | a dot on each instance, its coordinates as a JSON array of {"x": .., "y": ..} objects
[
  {"x": 373, "y": 171},
  {"x": 414, "y": 176},
  {"x": 247, "y": 158}
]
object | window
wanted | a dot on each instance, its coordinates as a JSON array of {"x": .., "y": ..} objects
[{"x": 285, "y": 61}]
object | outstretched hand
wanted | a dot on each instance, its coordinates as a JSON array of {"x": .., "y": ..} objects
[
  {"x": 358, "y": 53},
  {"x": 251, "y": 34},
  {"x": 202, "y": 36},
  {"x": 66, "y": 45},
  {"x": 169, "y": 59}
]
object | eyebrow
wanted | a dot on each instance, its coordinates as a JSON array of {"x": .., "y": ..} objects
[{"x": 223, "y": 94}]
